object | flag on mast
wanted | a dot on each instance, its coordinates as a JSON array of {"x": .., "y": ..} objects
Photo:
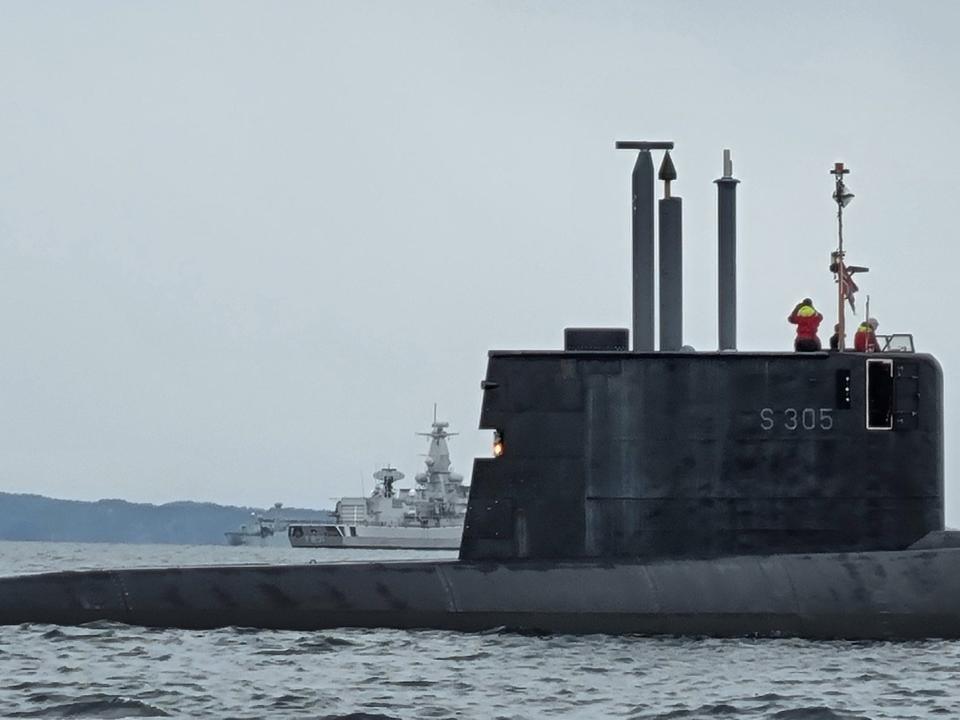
[{"x": 848, "y": 287}]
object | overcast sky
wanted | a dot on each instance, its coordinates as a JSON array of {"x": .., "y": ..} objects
[{"x": 244, "y": 247}]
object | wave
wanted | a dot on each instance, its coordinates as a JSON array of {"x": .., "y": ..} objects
[{"x": 102, "y": 706}]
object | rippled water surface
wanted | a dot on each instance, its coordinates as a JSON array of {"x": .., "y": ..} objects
[{"x": 111, "y": 670}]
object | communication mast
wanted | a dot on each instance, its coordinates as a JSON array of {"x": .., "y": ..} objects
[{"x": 842, "y": 196}]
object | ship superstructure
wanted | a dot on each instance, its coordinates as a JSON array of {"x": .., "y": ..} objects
[{"x": 429, "y": 516}]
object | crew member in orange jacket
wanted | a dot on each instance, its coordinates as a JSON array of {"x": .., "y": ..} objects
[{"x": 807, "y": 320}]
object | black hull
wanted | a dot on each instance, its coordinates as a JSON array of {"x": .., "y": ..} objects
[{"x": 882, "y": 595}]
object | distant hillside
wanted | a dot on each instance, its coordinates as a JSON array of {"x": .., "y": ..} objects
[{"x": 34, "y": 517}]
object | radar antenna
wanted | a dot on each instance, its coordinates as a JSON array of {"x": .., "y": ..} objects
[{"x": 437, "y": 460}]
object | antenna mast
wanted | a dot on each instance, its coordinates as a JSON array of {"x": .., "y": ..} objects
[{"x": 842, "y": 196}]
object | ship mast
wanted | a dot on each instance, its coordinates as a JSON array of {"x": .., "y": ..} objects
[
  {"x": 842, "y": 196},
  {"x": 438, "y": 459}
]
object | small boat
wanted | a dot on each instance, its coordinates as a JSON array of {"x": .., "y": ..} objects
[{"x": 268, "y": 529}]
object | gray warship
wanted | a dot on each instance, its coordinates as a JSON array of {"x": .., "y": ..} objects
[
  {"x": 269, "y": 528},
  {"x": 429, "y": 517},
  {"x": 643, "y": 490}
]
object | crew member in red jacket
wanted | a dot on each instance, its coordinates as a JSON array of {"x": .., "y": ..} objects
[
  {"x": 865, "y": 339},
  {"x": 807, "y": 320}
]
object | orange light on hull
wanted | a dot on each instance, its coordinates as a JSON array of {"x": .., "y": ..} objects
[{"x": 497, "y": 444}]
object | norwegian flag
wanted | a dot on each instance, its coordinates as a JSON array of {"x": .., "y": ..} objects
[{"x": 847, "y": 285}]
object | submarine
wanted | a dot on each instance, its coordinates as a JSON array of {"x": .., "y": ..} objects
[{"x": 636, "y": 490}]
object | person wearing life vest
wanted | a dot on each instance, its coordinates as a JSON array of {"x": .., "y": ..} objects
[
  {"x": 865, "y": 339},
  {"x": 807, "y": 320}
]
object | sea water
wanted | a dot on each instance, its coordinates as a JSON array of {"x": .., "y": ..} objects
[{"x": 113, "y": 670}]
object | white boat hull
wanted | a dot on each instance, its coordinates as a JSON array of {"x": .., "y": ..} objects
[
  {"x": 446, "y": 537},
  {"x": 237, "y": 538}
]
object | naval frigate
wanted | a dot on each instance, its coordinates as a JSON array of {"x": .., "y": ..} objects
[{"x": 427, "y": 517}]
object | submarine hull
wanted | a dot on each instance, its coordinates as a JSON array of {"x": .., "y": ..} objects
[{"x": 874, "y": 595}]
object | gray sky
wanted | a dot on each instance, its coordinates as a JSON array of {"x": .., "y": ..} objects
[{"x": 244, "y": 247}]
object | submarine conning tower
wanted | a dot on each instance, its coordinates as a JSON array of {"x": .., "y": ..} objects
[{"x": 607, "y": 452}]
